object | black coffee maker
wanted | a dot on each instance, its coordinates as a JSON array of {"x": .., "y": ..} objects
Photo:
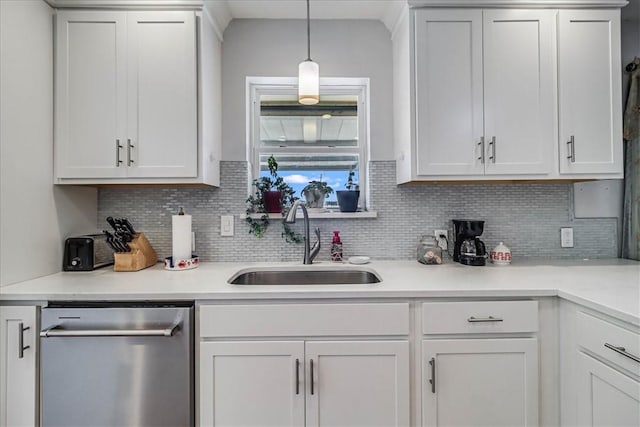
[{"x": 468, "y": 249}]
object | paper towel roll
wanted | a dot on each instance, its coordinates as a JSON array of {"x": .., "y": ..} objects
[{"x": 181, "y": 237}]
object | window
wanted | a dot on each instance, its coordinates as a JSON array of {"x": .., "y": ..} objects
[{"x": 310, "y": 142}]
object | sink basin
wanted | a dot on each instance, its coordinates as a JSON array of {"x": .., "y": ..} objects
[{"x": 351, "y": 276}]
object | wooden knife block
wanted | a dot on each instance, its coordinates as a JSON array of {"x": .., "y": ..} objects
[{"x": 142, "y": 255}]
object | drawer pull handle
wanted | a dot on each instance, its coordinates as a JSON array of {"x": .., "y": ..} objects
[
  {"x": 571, "y": 146},
  {"x": 484, "y": 319},
  {"x": 21, "y": 346},
  {"x": 481, "y": 145},
  {"x": 118, "y": 148},
  {"x": 432, "y": 381},
  {"x": 311, "y": 364},
  {"x": 622, "y": 351},
  {"x": 297, "y": 376}
]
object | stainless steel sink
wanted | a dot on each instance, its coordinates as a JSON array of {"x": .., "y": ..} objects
[{"x": 351, "y": 276}]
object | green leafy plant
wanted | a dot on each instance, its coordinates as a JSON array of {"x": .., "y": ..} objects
[
  {"x": 350, "y": 185},
  {"x": 256, "y": 203},
  {"x": 315, "y": 192}
]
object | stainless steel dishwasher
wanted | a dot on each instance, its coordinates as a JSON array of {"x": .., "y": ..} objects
[{"x": 117, "y": 364}]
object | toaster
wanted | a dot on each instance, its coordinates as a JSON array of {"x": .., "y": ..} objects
[{"x": 86, "y": 253}]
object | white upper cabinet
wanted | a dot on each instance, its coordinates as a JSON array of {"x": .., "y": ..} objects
[
  {"x": 497, "y": 94},
  {"x": 484, "y": 92},
  {"x": 127, "y": 99},
  {"x": 449, "y": 110},
  {"x": 162, "y": 139},
  {"x": 519, "y": 97},
  {"x": 589, "y": 82},
  {"x": 90, "y": 94}
]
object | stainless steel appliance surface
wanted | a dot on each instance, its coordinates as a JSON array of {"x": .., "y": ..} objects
[
  {"x": 86, "y": 253},
  {"x": 117, "y": 364}
]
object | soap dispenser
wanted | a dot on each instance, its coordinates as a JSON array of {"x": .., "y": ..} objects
[{"x": 336, "y": 247}]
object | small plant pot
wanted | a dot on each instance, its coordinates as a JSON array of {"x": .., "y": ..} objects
[
  {"x": 348, "y": 200},
  {"x": 314, "y": 198},
  {"x": 272, "y": 201}
]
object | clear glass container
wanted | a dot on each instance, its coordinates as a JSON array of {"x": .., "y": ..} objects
[{"x": 428, "y": 250}]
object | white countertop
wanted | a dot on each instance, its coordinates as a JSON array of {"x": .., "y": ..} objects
[{"x": 611, "y": 286}]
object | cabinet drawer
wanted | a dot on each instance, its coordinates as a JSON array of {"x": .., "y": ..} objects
[
  {"x": 472, "y": 317},
  {"x": 612, "y": 342},
  {"x": 283, "y": 320}
]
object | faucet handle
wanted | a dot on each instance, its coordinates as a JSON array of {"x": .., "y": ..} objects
[{"x": 317, "y": 231}]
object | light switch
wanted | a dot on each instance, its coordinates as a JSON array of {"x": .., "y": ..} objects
[
  {"x": 226, "y": 225},
  {"x": 566, "y": 237}
]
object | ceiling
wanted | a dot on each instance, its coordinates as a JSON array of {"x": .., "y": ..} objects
[{"x": 386, "y": 11}]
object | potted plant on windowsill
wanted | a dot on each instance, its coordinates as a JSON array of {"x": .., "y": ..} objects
[
  {"x": 315, "y": 192},
  {"x": 271, "y": 195},
  {"x": 348, "y": 200}
]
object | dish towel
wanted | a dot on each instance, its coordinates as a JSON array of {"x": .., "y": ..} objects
[{"x": 631, "y": 133}]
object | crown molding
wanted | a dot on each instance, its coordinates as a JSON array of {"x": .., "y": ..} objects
[{"x": 127, "y": 4}]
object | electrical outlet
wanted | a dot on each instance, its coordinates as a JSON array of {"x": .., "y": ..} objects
[
  {"x": 442, "y": 241},
  {"x": 226, "y": 225},
  {"x": 566, "y": 237}
]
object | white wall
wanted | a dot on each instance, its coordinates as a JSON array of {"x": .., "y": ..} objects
[
  {"x": 35, "y": 217},
  {"x": 273, "y": 48}
]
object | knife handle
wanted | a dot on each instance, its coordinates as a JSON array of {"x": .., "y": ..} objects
[
  {"x": 128, "y": 225},
  {"x": 112, "y": 223}
]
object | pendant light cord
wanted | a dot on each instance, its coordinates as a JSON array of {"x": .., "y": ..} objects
[{"x": 308, "y": 34}]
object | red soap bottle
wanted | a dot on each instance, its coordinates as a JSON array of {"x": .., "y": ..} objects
[{"x": 336, "y": 247}]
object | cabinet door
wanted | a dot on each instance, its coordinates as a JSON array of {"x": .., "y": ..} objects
[
  {"x": 90, "y": 99},
  {"x": 519, "y": 95},
  {"x": 590, "y": 92},
  {"x": 162, "y": 138},
  {"x": 448, "y": 81},
  {"x": 252, "y": 383},
  {"x": 480, "y": 382},
  {"x": 362, "y": 383},
  {"x": 18, "y": 366},
  {"x": 606, "y": 397}
]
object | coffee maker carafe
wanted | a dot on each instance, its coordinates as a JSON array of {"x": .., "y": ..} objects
[{"x": 468, "y": 248}]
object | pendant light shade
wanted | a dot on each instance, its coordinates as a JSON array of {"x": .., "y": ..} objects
[
  {"x": 308, "y": 74},
  {"x": 308, "y": 83}
]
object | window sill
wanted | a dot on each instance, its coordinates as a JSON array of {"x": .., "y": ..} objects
[{"x": 326, "y": 215}]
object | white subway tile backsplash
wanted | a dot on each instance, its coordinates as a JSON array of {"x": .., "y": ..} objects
[{"x": 526, "y": 217}]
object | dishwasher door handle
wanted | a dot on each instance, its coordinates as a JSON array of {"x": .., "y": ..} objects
[{"x": 56, "y": 331}]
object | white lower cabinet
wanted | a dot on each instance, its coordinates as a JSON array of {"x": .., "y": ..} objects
[
  {"x": 252, "y": 383},
  {"x": 480, "y": 382},
  {"x": 304, "y": 365},
  {"x": 606, "y": 397},
  {"x": 18, "y": 366},
  {"x": 607, "y": 371},
  {"x": 472, "y": 372}
]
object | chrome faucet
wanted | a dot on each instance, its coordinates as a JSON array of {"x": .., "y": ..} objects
[{"x": 309, "y": 252}]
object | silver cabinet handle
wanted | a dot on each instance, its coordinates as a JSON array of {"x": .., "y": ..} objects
[
  {"x": 56, "y": 331},
  {"x": 432, "y": 381},
  {"x": 21, "y": 346},
  {"x": 311, "y": 365},
  {"x": 622, "y": 351},
  {"x": 297, "y": 376},
  {"x": 484, "y": 319},
  {"x": 481, "y": 145},
  {"x": 118, "y": 148},
  {"x": 572, "y": 149},
  {"x": 129, "y": 147},
  {"x": 492, "y": 144}
]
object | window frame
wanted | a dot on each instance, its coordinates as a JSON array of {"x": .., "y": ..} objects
[{"x": 359, "y": 87}]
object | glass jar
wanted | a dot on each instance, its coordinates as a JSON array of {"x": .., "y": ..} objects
[{"x": 428, "y": 250}]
